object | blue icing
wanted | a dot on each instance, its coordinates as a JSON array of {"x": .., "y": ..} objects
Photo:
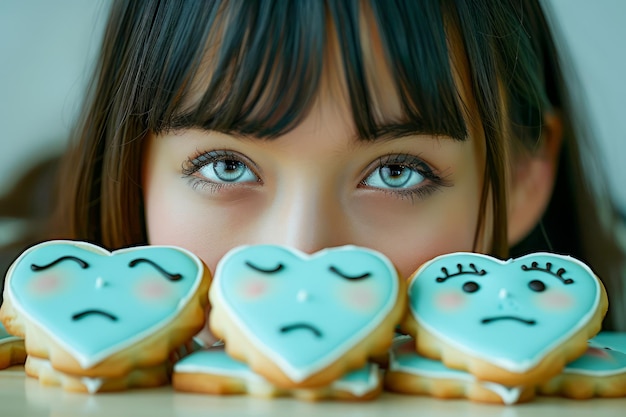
[
  {"x": 3, "y": 333},
  {"x": 414, "y": 363},
  {"x": 215, "y": 360},
  {"x": 108, "y": 288},
  {"x": 307, "y": 298},
  {"x": 505, "y": 320},
  {"x": 599, "y": 360}
]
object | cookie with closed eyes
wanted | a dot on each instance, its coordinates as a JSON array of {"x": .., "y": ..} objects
[
  {"x": 303, "y": 321},
  {"x": 87, "y": 312}
]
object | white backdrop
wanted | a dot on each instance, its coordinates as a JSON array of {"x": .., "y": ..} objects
[{"x": 46, "y": 48}]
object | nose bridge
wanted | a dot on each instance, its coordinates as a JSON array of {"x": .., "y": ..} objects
[{"x": 307, "y": 215}]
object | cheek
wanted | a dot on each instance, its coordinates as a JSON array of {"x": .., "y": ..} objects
[
  {"x": 450, "y": 301},
  {"x": 47, "y": 284},
  {"x": 253, "y": 288},
  {"x": 361, "y": 298},
  {"x": 555, "y": 301},
  {"x": 151, "y": 290}
]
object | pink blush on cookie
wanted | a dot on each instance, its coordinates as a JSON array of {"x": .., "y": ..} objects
[
  {"x": 93, "y": 313},
  {"x": 303, "y": 320},
  {"x": 520, "y": 322},
  {"x": 450, "y": 301}
]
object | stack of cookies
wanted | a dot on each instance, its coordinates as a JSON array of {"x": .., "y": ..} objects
[
  {"x": 500, "y": 332},
  {"x": 94, "y": 320},
  {"x": 296, "y": 324}
]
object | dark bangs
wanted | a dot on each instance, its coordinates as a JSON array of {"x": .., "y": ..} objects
[{"x": 254, "y": 67}]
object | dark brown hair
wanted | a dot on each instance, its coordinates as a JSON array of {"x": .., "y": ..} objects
[{"x": 267, "y": 58}]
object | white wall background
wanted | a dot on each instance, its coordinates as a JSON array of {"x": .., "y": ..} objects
[{"x": 46, "y": 48}]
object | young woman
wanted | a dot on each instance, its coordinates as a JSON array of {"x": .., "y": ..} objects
[{"x": 414, "y": 128}]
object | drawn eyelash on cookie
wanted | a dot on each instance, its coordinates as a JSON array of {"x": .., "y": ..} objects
[
  {"x": 473, "y": 270},
  {"x": 534, "y": 266}
]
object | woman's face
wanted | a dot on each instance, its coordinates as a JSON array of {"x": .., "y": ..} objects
[{"x": 410, "y": 197}]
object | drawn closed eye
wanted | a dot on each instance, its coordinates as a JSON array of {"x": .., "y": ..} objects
[
  {"x": 265, "y": 270},
  {"x": 168, "y": 275},
  {"x": 79, "y": 261},
  {"x": 349, "y": 277}
]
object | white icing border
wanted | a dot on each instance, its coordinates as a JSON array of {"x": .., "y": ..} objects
[
  {"x": 87, "y": 362},
  {"x": 92, "y": 385},
  {"x": 509, "y": 395},
  {"x": 300, "y": 374},
  {"x": 505, "y": 363},
  {"x": 252, "y": 379}
]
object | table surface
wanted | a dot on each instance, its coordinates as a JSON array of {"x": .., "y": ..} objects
[{"x": 24, "y": 396}]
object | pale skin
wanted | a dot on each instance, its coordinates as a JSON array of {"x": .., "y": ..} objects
[
  {"x": 306, "y": 190},
  {"x": 411, "y": 197}
]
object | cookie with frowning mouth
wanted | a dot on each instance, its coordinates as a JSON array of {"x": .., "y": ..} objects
[
  {"x": 514, "y": 322},
  {"x": 303, "y": 321},
  {"x": 89, "y": 313}
]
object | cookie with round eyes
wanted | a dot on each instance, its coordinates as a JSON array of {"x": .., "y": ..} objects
[
  {"x": 99, "y": 314},
  {"x": 303, "y": 321},
  {"x": 411, "y": 373},
  {"x": 514, "y": 322},
  {"x": 600, "y": 372},
  {"x": 12, "y": 351}
]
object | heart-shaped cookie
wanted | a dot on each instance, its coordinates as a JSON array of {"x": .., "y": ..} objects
[
  {"x": 411, "y": 373},
  {"x": 600, "y": 372},
  {"x": 513, "y": 322},
  {"x": 212, "y": 371},
  {"x": 94, "y": 303},
  {"x": 291, "y": 315}
]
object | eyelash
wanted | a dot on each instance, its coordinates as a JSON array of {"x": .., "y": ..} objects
[
  {"x": 434, "y": 180},
  {"x": 202, "y": 159}
]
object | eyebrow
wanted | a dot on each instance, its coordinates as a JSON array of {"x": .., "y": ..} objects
[
  {"x": 79, "y": 261},
  {"x": 171, "y": 277},
  {"x": 534, "y": 266}
]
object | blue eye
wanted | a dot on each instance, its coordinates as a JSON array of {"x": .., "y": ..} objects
[
  {"x": 394, "y": 176},
  {"x": 227, "y": 170},
  {"x": 220, "y": 168}
]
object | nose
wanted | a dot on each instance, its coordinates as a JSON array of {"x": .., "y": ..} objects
[
  {"x": 306, "y": 218},
  {"x": 506, "y": 300}
]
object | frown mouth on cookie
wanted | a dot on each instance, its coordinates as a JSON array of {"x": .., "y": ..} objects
[
  {"x": 513, "y": 318},
  {"x": 83, "y": 314},
  {"x": 301, "y": 326}
]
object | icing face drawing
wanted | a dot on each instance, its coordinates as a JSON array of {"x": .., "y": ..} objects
[
  {"x": 510, "y": 313},
  {"x": 94, "y": 302},
  {"x": 304, "y": 311}
]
